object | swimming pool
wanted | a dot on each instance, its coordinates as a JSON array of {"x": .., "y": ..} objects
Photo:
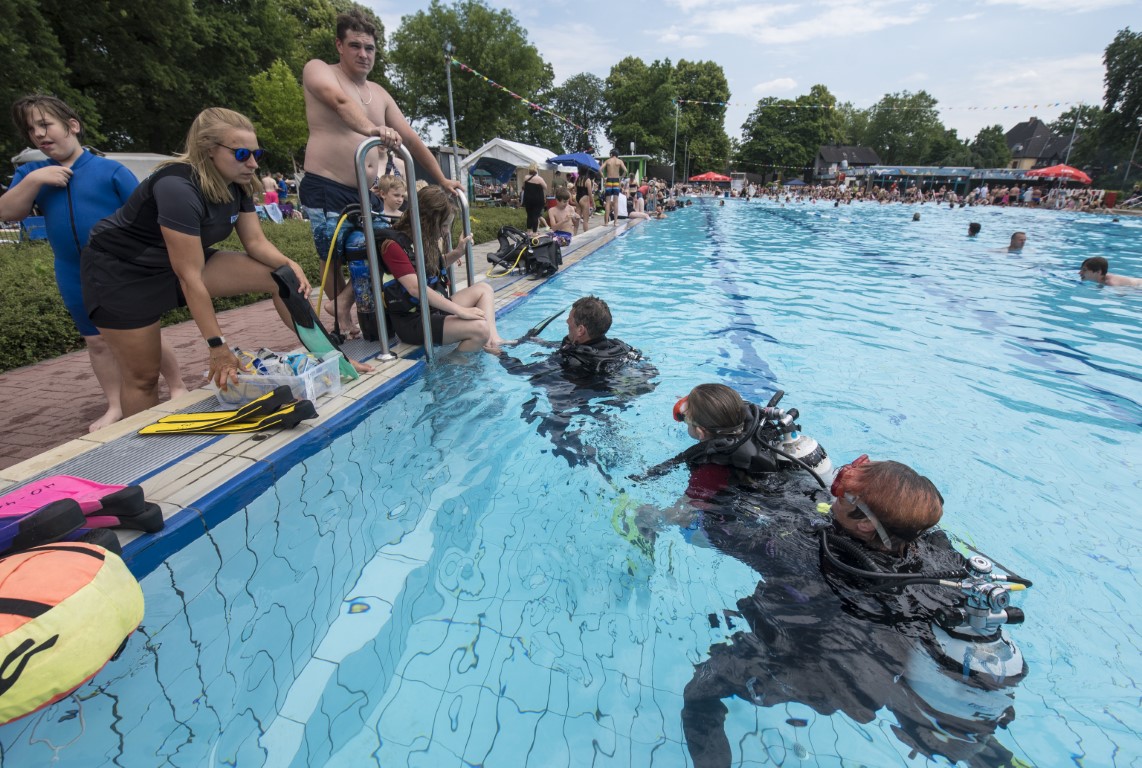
[{"x": 437, "y": 587}]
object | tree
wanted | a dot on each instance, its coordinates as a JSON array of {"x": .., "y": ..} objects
[
  {"x": 989, "y": 148},
  {"x": 279, "y": 110},
  {"x": 703, "y": 124},
  {"x": 853, "y": 124},
  {"x": 1123, "y": 100},
  {"x": 904, "y": 128},
  {"x": 640, "y": 100},
  {"x": 33, "y": 63},
  {"x": 580, "y": 99},
  {"x": 786, "y": 135},
  {"x": 491, "y": 42}
]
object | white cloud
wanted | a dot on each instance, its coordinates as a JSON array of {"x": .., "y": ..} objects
[
  {"x": 780, "y": 84},
  {"x": 796, "y": 24},
  {"x": 678, "y": 37},
  {"x": 965, "y": 17},
  {"x": 1062, "y": 6}
]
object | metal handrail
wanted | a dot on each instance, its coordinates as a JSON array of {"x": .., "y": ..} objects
[{"x": 371, "y": 246}]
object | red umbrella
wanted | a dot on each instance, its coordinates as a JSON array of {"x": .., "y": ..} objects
[
  {"x": 1059, "y": 172},
  {"x": 710, "y": 176}
]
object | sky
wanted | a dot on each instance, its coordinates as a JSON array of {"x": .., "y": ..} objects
[{"x": 974, "y": 56}]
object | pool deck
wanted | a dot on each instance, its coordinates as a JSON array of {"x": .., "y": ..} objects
[{"x": 50, "y": 404}]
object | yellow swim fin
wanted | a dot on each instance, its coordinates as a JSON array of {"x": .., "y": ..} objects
[{"x": 213, "y": 421}]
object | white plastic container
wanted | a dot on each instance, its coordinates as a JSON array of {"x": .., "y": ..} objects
[{"x": 320, "y": 380}]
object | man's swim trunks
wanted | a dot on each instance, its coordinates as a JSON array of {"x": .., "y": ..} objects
[
  {"x": 612, "y": 187},
  {"x": 323, "y": 200}
]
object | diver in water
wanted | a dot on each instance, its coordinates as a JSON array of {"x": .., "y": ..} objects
[
  {"x": 587, "y": 370},
  {"x": 821, "y": 628}
]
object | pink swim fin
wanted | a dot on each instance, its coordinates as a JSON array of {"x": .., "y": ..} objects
[{"x": 105, "y": 506}]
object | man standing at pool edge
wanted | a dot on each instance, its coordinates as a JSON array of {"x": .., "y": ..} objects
[
  {"x": 343, "y": 108},
  {"x": 613, "y": 170}
]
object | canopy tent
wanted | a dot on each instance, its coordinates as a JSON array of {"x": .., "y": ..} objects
[
  {"x": 502, "y": 158},
  {"x": 795, "y": 183},
  {"x": 578, "y": 159},
  {"x": 1058, "y": 172},
  {"x": 709, "y": 176}
]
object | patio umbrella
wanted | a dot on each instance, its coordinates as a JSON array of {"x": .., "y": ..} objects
[
  {"x": 580, "y": 159},
  {"x": 1059, "y": 172},
  {"x": 710, "y": 176}
]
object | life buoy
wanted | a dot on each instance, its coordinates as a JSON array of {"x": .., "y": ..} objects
[{"x": 65, "y": 611}]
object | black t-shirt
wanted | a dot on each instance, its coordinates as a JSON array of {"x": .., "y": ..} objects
[{"x": 170, "y": 198}]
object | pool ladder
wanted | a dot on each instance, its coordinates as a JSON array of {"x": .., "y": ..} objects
[{"x": 375, "y": 271}]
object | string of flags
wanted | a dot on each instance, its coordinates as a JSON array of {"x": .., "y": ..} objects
[
  {"x": 827, "y": 106},
  {"x": 526, "y": 102}
]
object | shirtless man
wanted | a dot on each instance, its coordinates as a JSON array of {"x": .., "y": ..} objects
[
  {"x": 613, "y": 170},
  {"x": 1095, "y": 269},
  {"x": 562, "y": 218},
  {"x": 343, "y": 108}
]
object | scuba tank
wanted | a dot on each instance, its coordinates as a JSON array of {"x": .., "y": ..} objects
[
  {"x": 792, "y": 448},
  {"x": 355, "y": 254},
  {"x": 969, "y": 641}
]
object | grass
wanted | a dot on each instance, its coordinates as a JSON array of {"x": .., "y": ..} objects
[{"x": 36, "y": 325}]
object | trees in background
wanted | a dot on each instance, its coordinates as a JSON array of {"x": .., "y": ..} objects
[
  {"x": 139, "y": 78},
  {"x": 491, "y": 42}
]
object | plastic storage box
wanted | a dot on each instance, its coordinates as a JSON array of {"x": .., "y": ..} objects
[{"x": 322, "y": 379}]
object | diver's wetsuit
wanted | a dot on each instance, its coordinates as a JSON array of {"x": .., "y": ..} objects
[
  {"x": 578, "y": 379},
  {"x": 819, "y": 639}
]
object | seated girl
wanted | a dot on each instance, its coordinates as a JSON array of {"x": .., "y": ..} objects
[{"x": 467, "y": 316}]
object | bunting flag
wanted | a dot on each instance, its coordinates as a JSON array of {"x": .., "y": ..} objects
[
  {"x": 826, "y": 106},
  {"x": 526, "y": 102}
]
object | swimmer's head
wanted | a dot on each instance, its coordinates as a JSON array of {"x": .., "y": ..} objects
[
  {"x": 974, "y": 228},
  {"x": 715, "y": 409},
  {"x": 1094, "y": 268},
  {"x": 904, "y": 502},
  {"x": 592, "y": 315}
]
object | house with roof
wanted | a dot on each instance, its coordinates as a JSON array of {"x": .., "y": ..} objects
[
  {"x": 1034, "y": 145},
  {"x": 835, "y": 158}
]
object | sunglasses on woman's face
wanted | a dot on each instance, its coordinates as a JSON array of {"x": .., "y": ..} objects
[{"x": 241, "y": 154}]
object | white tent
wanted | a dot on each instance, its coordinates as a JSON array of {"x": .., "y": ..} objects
[{"x": 499, "y": 154}]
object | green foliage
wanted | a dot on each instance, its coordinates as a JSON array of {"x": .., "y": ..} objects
[
  {"x": 579, "y": 99},
  {"x": 640, "y": 98},
  {"x": 1123, "y": 60},
  {"x": 279, "y": 107},
  {"x": 790, "y": 132},
  {"x": 490, "y": 41},
  {"x": 905, "y": 129},
  {"x": 703, "y": 124},
  {"x": 853, "y": 125},
  {"x": 34, "y": 63},
  {"x": 989, "y": 148}
]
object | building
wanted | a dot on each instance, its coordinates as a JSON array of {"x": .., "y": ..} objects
[
  {"x": 1034, "y": 145},
  {"x": 834, "y": 158}
]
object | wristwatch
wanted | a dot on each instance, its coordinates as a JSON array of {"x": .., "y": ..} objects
[{"x": 215, "y": 341}]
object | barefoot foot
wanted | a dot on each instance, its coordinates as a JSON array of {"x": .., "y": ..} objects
[{"x": 113, "y": 415}]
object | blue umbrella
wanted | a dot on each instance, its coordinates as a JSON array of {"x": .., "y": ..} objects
[{"x": 581, "y": 159}]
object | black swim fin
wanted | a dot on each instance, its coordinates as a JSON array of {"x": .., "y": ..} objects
[
  {"x": 193, "y": 422},
  {"x": 306, "y": 324}
]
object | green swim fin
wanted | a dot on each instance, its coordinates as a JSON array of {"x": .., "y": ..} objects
[
  {"x": 306, "y": 324},
  {"x": 285, "y": 417}
]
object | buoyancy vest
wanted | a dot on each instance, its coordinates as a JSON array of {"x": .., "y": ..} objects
[
  {"x": 602, "y": 355},
  {"x": 65, "y": 610},
  {"x": 397, "y": 299},
  {"x": 749, "y": 451}
]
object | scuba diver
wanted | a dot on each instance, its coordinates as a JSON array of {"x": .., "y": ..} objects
[
  {"x": 831, "y": 624},
  {"x": 587, "y": 372}
]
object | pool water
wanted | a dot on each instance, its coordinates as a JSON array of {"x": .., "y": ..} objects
[{"x": 438, "y": 587}]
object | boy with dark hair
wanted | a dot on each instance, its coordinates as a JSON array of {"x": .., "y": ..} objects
[{"x": 1096, "y": 269}]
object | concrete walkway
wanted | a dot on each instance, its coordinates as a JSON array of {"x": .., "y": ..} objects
[{"x": 53, "y": 402}]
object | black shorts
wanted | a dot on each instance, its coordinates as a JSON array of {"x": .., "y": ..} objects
[
  {"x": 410, "y": 329},
  {"x": 123, "y": 296}
]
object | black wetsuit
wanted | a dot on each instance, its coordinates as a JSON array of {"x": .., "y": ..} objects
[
  {"x": 812, "y": 635},
  {"x": 593, "y": 378}
]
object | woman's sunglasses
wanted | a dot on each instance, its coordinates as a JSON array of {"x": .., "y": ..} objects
[{"x": 241, "y": 154}]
